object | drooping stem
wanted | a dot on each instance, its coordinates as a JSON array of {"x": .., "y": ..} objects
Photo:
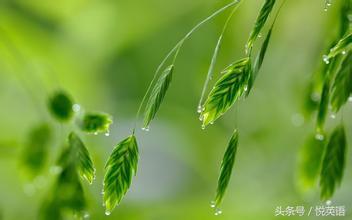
[
  {"x": 175, "y": 50},
  {"x": 214, "y": 59}
]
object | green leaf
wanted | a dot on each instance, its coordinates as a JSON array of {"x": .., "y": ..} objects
[
  {"x": 60, "y": 105},
  {"x": 342, "y": 86},
  {"x": 95, "y": 123},
  {"x": 342, "y": 47},
  {"x": 120, "y": 168},
  {"x": 77, "y": 155},
  {"x": 67, "y": 195},
  {"x": 333, "y": 163},
  {"x": 311, "y": 156},
  {"x": 227, "y": 90},
  {"x": 226, "y": 169},
  {"x": 36, "y": 150},
  {"x": 259, "y": 23},
  {"x": 157, "y": 95},
  {"x": 345, "y": 20},
  {"x": 84, "y": 161},
  {"x": 259, "y": 60}
]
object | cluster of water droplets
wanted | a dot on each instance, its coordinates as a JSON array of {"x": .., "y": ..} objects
[
  {"x": 146, "y": 128},
  {"x": 217, "y": 210},
  {"x": 326, "y": 57},
  {"x": 319, "y": 136},
  {"x": 327, "y": 4}
]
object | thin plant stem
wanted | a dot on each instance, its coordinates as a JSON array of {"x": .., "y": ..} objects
[{"x": 176, "y": 49}]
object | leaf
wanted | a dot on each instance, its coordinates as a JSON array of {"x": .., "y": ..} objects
[
  {"x": 60, "y": 105},
  {"x": 325, "y": 94},
  {"x": 36, "y": 150},
  {"x": 157, "y": 95},
  {"x": 342, "y": 47},
  {"x": 333, "y": 163},
  {"x": 342, "y": 86},
  {"x": 227, "y": 90},
  {"x": 259, "y": 23},
  {"x": 226, "y": 168},
  {"x": 345, "y": 20},
  {"x": 120, "y": 168},
  {"x": 95, "y": 123},
  {"x": 67, "y": 195},
  {"x": 259, "y": 60},
  {"x": 77, "y": 155},
  {"x": 84, "y": 161},
  {"x": 311, "y": 156}
]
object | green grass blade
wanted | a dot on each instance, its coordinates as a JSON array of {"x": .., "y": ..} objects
[
  {"x": 259, "y": 23},
  {"x": 333, "y": 163},
  {"x": 157, "y": 95},
  {"x": 342, "y": 47},
  {"x": 226, "y": 168},
  {"x": 311, "y": 156},
  {"x": 84, "y": 161},
  {"x": 120, "y": 168},
  {"x": 60, "y": 105},
  {"x": 227, "y": 90},
  {"x": 342, "y": 86}
]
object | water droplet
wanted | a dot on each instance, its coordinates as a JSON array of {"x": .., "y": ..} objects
[
  {"x": 319, "y": 136},
  {"x": 218, "y": 211},
  {"x": 201, "y": 118},
  {"x": 350, "y": 99},
  {"x": 212, "y": 204},
  {"x": 107, "y": 212},
  {"x": 343, "y": 52},
  {"x": 203, "y": 127},
  {"x": 260, "y": 35},
  {"x": 326, "y": 59},
  {"x": 315, "y": 97},
  {"x": 199, "y": 109},
  {"x": 145, "y": 128},
  {"x": 328, "y": 202},
  {"x": 107, "y": 134},
  {"x": 76, "y": 107},
  {"x": 245, "y": 88},
  {"x": 333, "y": 116},
  {"x": 86, "y": 215},
  {"x": 211, "y": 122},
  {"x": 95, "y": 133}
]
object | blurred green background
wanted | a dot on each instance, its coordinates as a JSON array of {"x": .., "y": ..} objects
[{"x": 104, "y": 53}]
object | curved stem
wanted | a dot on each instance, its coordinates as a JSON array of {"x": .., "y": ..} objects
[
  {"x": 176, "y": 49},
  {"x": 214, "y": 59}
]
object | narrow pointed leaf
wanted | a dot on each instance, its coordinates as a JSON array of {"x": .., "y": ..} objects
[
  {"x": 227, "y": 90},
  {"x": 345, "y": 19},
  {"x": 226, "y": 168},
  {"x": 84, "y": 161},
  {"x": 120, "y": 169},
  {"x": 157, "y": 95},
  {"x": 311, "y": 156},
  {"x": 260, "y": 22},
  {"x": 342, "y": 86},
  {"x": 36, "y": 150},
  {"x": 95, "y": 123},
  {"x": 333, "y": 163},
  {"x": 343, "y": 46},
  {"x": 60, "y": 106}
]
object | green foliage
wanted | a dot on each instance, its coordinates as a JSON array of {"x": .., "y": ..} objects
[
  {"x": 259, "y": 23},
  {"x": 77, "y": 155},
  {"x": 310, "y": 161},
  {"x": 226, "y": 169},
  {"x": 342, "y": 86},
  {"x": 345, "y": 20},
  {"x": 157, "y": 95},
  {"x": 36, "y": 149},
  {"x": 333, "y": 163},
  {"x": 227, "y": 90},
  {"x": 120, "y": 168},
  {"x": 67, "y": 196},
  {"x": 95, "y": 123},
  {"x": 342, "y": 47},
  {"x": 60, "y": 105}
]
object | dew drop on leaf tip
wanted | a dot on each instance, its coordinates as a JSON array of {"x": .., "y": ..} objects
[
  {"x": 319, "y": 136},
  {"x": 326, "y": 59},
  {"x": 218, "y": 211},
  {"x": 145, "y": 128},
  {"x": 212, "y": 204},
  {"x": 107, "y": 212}
]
